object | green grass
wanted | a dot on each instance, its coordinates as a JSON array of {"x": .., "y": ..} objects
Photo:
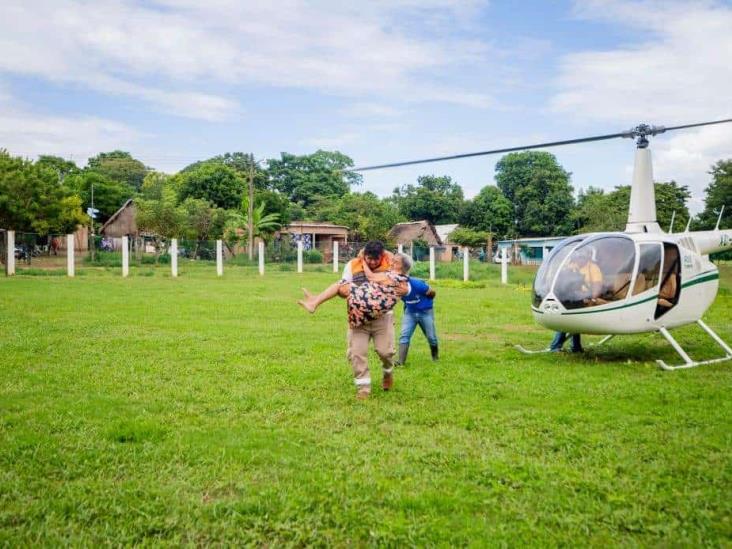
[{"x": 214, "y": 411}]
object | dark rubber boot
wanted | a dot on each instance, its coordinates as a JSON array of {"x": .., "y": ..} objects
[
  {"x": 435, "y": 352},
  {"x": 403, "y": 351}
]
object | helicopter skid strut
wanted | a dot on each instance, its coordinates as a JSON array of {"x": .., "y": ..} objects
[
  {"x": 688, "y": 362},
  {"x": 548, "y": 350}
]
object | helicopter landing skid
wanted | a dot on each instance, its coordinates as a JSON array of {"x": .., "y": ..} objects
[
  {"x": 548, "y": 350},
  {"x": 688, "y": 362}
]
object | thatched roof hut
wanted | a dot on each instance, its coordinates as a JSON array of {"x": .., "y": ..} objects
[
  {"x": 406, "y": 233},
  {"x": 122, "y": 222}
]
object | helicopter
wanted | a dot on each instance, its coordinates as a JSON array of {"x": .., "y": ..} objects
[{"x": 646, "y": 280}]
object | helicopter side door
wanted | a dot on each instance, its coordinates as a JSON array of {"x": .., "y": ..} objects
[{"x": 670, "y": 287}]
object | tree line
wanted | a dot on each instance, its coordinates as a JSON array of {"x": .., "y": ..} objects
[{"x": 532, "y": 196}]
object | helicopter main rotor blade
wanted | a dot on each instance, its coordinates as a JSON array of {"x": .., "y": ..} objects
[
  {"x": 639, "y": 131},
  {"x": 494, "y": 151},
  {"x": 699, "y": 124}
]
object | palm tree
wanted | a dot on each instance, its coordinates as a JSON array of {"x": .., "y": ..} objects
[{"x": 237, "y": 224}]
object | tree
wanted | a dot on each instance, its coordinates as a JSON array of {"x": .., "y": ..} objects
[
  {"x": 109, "y": 195},
  {"x": 597, "y": 211},
  {"x": 365, "y": 214},
  {"x": 308, "y": 178},
  {"x": 539, "y": 189},
  {"x": 32, "y": 200},
  {"x": 240, "y": 162},
  {"x": 468, "y": 237},
  {"x": 488, "y": 211},
  {"x": 119, "y": 166},
  {"x": 163, "y": 218},
  {"x": 155, "y": 182},
  {"x": 437, "y": 199},
  {"x": 717, "y": 194},
  {"x": 61, "y": 166},
  {"x": 264, "y": 224},
  {"x": 277, "y": 203},
  {"x": 216, "y": 183}
]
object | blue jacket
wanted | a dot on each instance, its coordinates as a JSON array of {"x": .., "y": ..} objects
[{"x": 416, "y": 300}]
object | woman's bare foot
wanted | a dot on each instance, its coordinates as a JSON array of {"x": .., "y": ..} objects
[
  {"x": 307, "y": 304},
  {"x": 305, "y": 291}
]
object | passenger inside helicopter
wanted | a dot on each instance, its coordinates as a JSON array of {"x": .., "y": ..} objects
[{"x": 597, "y": 272}]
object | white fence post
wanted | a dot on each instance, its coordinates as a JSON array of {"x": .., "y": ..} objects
[
  {"x": 125, "y": 256},
  {"x": 174, "y": 256},
  {"x": 10, "y": 261},
  {"x": 466, "y": 264},
  {"x": 70, "y": 254},
  {"x": 219, "y": 258},
  {"x": 504, "y": 265},
  {"x": 299, "y": 256},
  {"x": 261, "y": 258},
  {"x": 432, "y": 262},
  {"x": 335, "y": 256},
  {"x": 400, "y": 248}
]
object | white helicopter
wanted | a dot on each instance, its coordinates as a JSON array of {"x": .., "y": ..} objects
[{"x": 645, "y": 280}]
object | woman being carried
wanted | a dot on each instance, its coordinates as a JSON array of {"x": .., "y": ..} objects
[{"x": 368, "y": 301}]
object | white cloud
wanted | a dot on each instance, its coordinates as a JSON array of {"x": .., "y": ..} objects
[
  {"x": 679, "y": 73},
  {"x": 78, "y": 138},
  {"x": 172, "y": 53}
]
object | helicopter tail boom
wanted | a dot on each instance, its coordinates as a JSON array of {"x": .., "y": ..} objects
[{"x": 709, "y": 242}]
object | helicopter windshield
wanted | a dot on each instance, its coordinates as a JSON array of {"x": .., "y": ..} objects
[
  {"x": 597, "y": 271},
  {"x": 545, "y": 275}
]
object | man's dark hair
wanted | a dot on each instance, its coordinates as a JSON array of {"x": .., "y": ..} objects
[{"x": 373, "y": 249}]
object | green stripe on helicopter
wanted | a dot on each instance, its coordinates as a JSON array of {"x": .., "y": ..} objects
[{"x": 698, "y": 279}]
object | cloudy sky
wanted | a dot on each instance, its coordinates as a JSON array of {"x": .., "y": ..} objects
[{"x": 383, "y": 80}]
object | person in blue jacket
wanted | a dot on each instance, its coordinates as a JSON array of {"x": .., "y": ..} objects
[{"x": 418, "y": 311}]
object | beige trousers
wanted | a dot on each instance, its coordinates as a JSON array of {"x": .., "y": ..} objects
[{"x": 381, "y": 331}]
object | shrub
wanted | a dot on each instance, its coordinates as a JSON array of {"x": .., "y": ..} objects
[{"x": 312, "y": 256}]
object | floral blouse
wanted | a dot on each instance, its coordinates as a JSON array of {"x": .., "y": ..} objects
[{"x": 372, "y": 300}]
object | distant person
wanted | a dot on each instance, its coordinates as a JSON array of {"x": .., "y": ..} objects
[
  {"x": 559, "y": 339},
  {"x": 418, "y": 311}
]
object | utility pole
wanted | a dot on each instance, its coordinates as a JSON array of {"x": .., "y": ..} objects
[{"x": 250, "y": 213}]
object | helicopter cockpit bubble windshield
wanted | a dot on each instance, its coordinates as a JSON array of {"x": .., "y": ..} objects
[
  {"x": 548, "y": 269},
  {"x": 594, "y": 272}
]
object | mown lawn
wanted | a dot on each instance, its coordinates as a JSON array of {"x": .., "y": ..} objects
[{"x": 210, "y": 411}]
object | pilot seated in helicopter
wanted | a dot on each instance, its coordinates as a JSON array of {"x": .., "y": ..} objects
[{"x": 584, "y": 277}]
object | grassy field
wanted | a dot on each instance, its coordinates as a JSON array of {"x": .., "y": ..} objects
[{"x": 203, "y": 410}]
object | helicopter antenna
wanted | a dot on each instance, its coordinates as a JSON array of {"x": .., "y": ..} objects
[
  {"x": 688, "y": 224},
  {"x": 719, "y": 218},
  {"x": 671, "y": 226},
  {"x": 642, "y": 132}
]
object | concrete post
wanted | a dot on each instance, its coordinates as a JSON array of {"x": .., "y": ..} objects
[
  {"x": 400, "y": 248},
  {"x": 10, "y": 261},
  {"x": 299, "y": 256},
  {"x": 70, "y": 255},
  {"x": 504, "y": 265},
  {"x": 125, "y": 256},
  {"x": 432, "y": 262},
  {"x": 174, "y": 257},
  {"x": 261, "y": 258},
  {"x": 219, "y": 258},
  {"x": 335, "y": 256},
  {"x": 466, "y": 263}
]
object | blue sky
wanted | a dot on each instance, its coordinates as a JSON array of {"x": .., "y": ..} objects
[{"x": 175, "y": 82}]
